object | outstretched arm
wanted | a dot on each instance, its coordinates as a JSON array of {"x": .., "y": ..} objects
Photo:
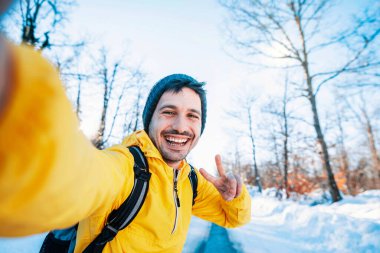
[{"x": 50, "y": 174}]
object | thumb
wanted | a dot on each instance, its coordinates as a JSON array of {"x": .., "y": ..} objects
[{"x": 207, "y": 176}]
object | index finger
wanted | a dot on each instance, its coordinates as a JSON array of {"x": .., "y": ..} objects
[
  {"x": 207, "y": 176},
  {"x": 219, "y": 166}
]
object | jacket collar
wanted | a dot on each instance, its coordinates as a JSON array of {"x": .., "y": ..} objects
[{"x": 140, "y": 138}]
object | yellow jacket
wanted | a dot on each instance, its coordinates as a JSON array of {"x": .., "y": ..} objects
[{"x": 52, "y": 177}]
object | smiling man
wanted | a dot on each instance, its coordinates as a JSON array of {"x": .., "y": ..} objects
[
  {"x": 176, "y": 120},
  {"x": 51, "y": 176}
]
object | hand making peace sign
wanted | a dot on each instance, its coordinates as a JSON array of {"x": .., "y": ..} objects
[{"x": 229, "y": 185}]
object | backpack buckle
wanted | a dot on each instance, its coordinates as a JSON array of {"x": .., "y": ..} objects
[
  {"x": 110, "y": 232},
  {"x": 142, "y": 174}
]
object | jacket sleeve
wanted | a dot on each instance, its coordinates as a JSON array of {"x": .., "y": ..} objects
[
  {"x": 209, "y": 205},
  {"x": 50, "y": 174}
]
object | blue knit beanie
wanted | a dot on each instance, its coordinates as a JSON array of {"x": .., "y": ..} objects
[{"x": 173, "y": 83}]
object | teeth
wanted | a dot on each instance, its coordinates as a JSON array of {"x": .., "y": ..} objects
[{"x": 177, "y": 140}]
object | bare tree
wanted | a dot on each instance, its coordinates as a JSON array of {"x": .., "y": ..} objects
[
  {"x": 243, "y": 114},
  {"x": 40, "y": 23},
  {"x": 234, "y": 163},
  {"x": 288, "y": 31},
  {"x": 132, "y": 118},
  {"x": 122, "y": 86},
  {"x": 283, "y": 115},
  {"x": 40, "y": 19},
  {"x": 362, "y": 116},
  {"x": 107, "y": 75},
  {"x": 73, "y": 74},
  {"x": 248, "y": 112},
  {"x": 342, "y": 150}
]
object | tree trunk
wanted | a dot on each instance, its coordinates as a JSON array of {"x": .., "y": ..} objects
[
  {"x": 373, "y": 150},
  {"x": 99, "y": 140},
  {"x": 344, "y": 165},
  {"x": 137, "y": 110},
  {"x": 256, "y": 170},
  {"x": 286, "y": 137},
  {"x": 334, "y": 191},
  {"x": 78, "y": 104},
  {"x": 31, "y": 12}
]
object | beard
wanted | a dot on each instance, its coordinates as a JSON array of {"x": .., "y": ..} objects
[
  {"x": 170, "y": 152},
  {"x": 173, "y": 157}
]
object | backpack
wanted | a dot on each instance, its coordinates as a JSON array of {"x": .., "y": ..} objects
[{"x": 63, "y": 240}]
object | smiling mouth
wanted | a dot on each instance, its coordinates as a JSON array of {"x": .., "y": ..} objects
[{"x": 177, "y": 141}]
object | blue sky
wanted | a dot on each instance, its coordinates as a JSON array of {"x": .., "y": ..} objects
[
  {"x": 178, "y": 36},
  {"x": 171, "y": 37}
]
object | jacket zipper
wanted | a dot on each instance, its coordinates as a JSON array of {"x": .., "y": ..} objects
[{"x": 176, "y": 200}]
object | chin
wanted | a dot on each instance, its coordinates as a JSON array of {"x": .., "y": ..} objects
[{"x": 173, "y": 155}]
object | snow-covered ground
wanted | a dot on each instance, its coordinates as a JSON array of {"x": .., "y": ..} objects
[{"x": 352, "y": 225}]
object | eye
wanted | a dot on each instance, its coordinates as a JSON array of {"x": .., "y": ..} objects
[
  {"x": 193, "y": 116},
  {"x": 170, "y": 113}
]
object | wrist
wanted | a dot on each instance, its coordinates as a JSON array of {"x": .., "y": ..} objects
[{"x": 239, "y": 200}]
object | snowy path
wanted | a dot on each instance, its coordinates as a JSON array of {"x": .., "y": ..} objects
[
  {"x": 218, "y": 241},
  {"x": 263, "y": 238}
]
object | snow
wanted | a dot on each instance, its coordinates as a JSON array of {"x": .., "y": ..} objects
[
  {"x": 351, "y": 225},
  {"x": 28, "y": 244}
]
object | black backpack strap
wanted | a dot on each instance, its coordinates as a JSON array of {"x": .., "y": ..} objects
[
  {"x": 194, "y": 182},
  {"x": 60, "y": 241},
  {"x": 124, "y": 215}
]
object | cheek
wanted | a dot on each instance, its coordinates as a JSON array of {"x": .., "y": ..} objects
[
  {"x": 197, "y": 128},
  {"x": 195, "y": 140},
  {"x": 156, "y": 126},
  {"x": 153, "y": 129}
]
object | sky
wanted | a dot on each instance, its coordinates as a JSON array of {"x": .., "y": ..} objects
[
  {"x": 169, "y": 37},
  {"x": 181, "y": 36}
]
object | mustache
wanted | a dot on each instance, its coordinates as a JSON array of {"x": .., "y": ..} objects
[{"x": 185, "y": 133}]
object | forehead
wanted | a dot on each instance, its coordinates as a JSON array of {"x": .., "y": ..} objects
[{"x": 184, "y": 99}]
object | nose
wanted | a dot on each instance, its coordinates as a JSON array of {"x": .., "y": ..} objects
[{"x": 180, "y": 124}]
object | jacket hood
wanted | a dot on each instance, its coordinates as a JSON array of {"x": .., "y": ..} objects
[{"x": 140, "y": 138}]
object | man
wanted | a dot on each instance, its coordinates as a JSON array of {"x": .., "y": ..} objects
[{"x": 52, "y": 177}]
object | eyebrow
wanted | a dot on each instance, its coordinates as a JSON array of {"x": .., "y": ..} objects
[{"x": 174, "y": 107}]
